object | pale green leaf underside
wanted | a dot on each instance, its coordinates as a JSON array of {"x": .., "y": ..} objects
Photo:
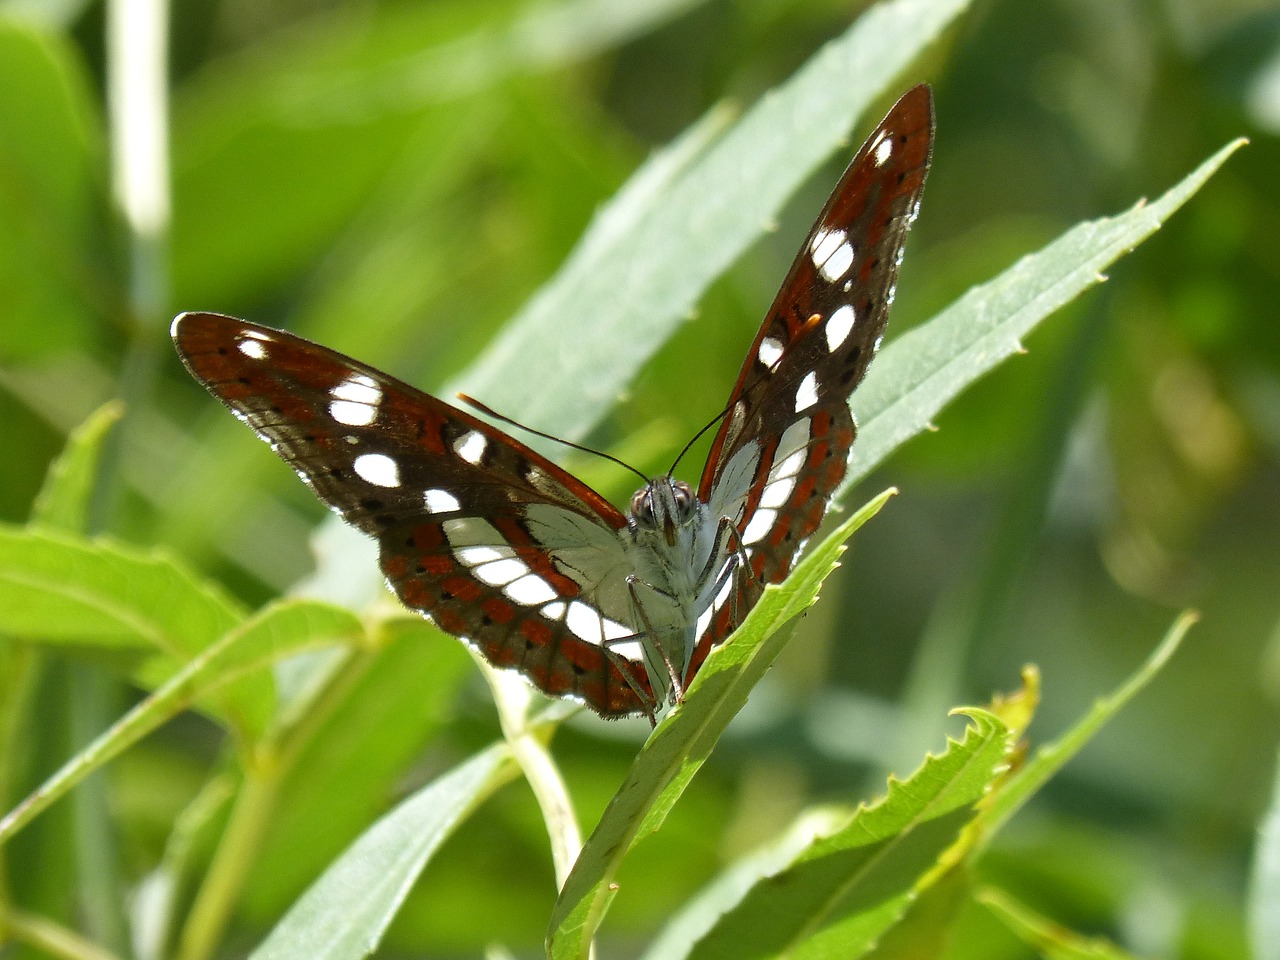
[
  {"x": 343, "y": 915},
  {"x": 843, "y": 892},
  {"x": 624, "y": 292},
  {"x": 923, "y": 370},
  {"x": 683, "y": 740}
]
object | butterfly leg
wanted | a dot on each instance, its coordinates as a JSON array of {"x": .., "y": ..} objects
[{"x": 659, "y": 638}]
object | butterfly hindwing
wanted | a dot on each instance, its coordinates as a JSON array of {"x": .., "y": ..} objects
[{"x": 496, "y": 543}]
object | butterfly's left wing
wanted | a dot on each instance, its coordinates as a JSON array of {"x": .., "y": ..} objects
[
  {"x": 494, "y": 542},
  {"x": 784, "y": 444}
]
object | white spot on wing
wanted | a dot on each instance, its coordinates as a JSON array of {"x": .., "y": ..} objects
[
  {"x": 777, "y": 492},
  {"x": 807, "y": 393},
  {"x": 761, "y": 523},
  {"x": 632, "y": 650},
  {"x": 824, "y": 244},
  {"x": 584, "y": 622},
  {"x": 884, "y": 150},
  {"x": 838, "y": 264},
  {"x": 838, "y": 327},
  {"x": 378, "y": 469},
  {"x": 770, "y": 352},
  {"x": 352, "y": 414},
  {"x": 832, "y": 254},
  {"x": 473, "y": 555},
  {"x": 471, "y": 446},
  {"x": 440, "y": 501},
  {"x": 358, "y": 388},
  {"x": 498, "y": 573},
  {"x": 253, "y": 349},
  {"x": 530, "y": 590},
  {"x": 355, "y": 400}
]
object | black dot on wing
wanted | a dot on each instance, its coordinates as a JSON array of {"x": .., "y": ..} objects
[
  {"x": 371, "y": 504},
  {"x": 578, "y": 669},
  {"x": 244, "y": 380},
  {"x": 486, "y": 620},
  {"x": 338, "y": 473}
]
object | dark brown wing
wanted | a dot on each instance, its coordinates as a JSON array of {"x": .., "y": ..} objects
[
  {"x": 784, "y": 445},
  {"x": 493, "y": 541}
]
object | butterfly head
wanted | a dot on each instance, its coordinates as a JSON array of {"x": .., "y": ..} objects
[{"x": 664, "y": 505}]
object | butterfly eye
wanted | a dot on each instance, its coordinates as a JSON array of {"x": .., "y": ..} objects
[
  {"x": 642, "y": 506},
  {"x": 683, "y": 494}
]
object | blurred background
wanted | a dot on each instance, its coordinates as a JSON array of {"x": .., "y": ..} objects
[{"x": 395, "y": 180}]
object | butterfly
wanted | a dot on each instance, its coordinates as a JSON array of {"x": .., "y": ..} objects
[{"x": 501, "y": 547}]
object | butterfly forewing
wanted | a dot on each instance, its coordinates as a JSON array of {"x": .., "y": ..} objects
[
  {"x": 497, "y": 544},
  {"x": 784, "y": 444}
]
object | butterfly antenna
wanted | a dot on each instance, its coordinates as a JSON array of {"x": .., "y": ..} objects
[
  {"x": 737, "y": 395},
  {"x": 489, "y": 411},
  {"x": 694, "y": 439}
]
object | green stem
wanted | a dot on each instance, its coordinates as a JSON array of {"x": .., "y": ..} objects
[
  {"x": 235, "y": 857},
  {"x": 251, "y": 816},
  {"x": 20, "y": 672},
  {"x": 51, "y": 938}
]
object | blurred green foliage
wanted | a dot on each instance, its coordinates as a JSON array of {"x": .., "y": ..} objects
[{"x": 396, "y": 179}]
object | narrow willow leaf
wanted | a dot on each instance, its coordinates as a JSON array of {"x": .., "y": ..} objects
[
  {"x": 144, "y": 607},
  {"x": 63, "y": 501},
  {"x": 842, "y": 893},
  {"x": 923, "y": 370},
  {"x": 344, "y": 913},
  {"x": 63, "y": 589},
  {"x": 1051, "y": 941},
  {"x": 276, "y": 632},
  {"x": 1051, "y": 758},
  {"x": 643, "y": 283},
  {"x": 684, "y": 739},
  {"x": 543, "y": 37},
  {"x": 700, "y": 914}
]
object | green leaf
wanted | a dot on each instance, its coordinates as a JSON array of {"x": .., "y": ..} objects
[
  {"x": 61, "y": 589},
  {"x": 840, "y": 896},
  {"x": 257, "y": 194},
  {"x": 923, "y": 370},
  {"x": 700, "y": 914},
  {"x": 345, "y": 912},
  {"x": 392, "y": 712},
  {"x": 63, "y": 501},
  {"x": 1264, "y": 884},
  {"x": 49, "y": 156},
  {"x": 643, "y": 281},
  {"x": 685, "y": 738},
  {"x": 276, "y": 632},
  {"x": 1050, "y": 940},
  {"x": 1052, "y": 757}
]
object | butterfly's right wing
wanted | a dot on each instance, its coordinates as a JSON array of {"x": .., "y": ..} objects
[
  {"x": 783, "y": 446},
  {"x": 493, "y": 541}
]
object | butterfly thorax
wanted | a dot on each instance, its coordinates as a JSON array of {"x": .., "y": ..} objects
[{"x": 677, "y": 567}]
